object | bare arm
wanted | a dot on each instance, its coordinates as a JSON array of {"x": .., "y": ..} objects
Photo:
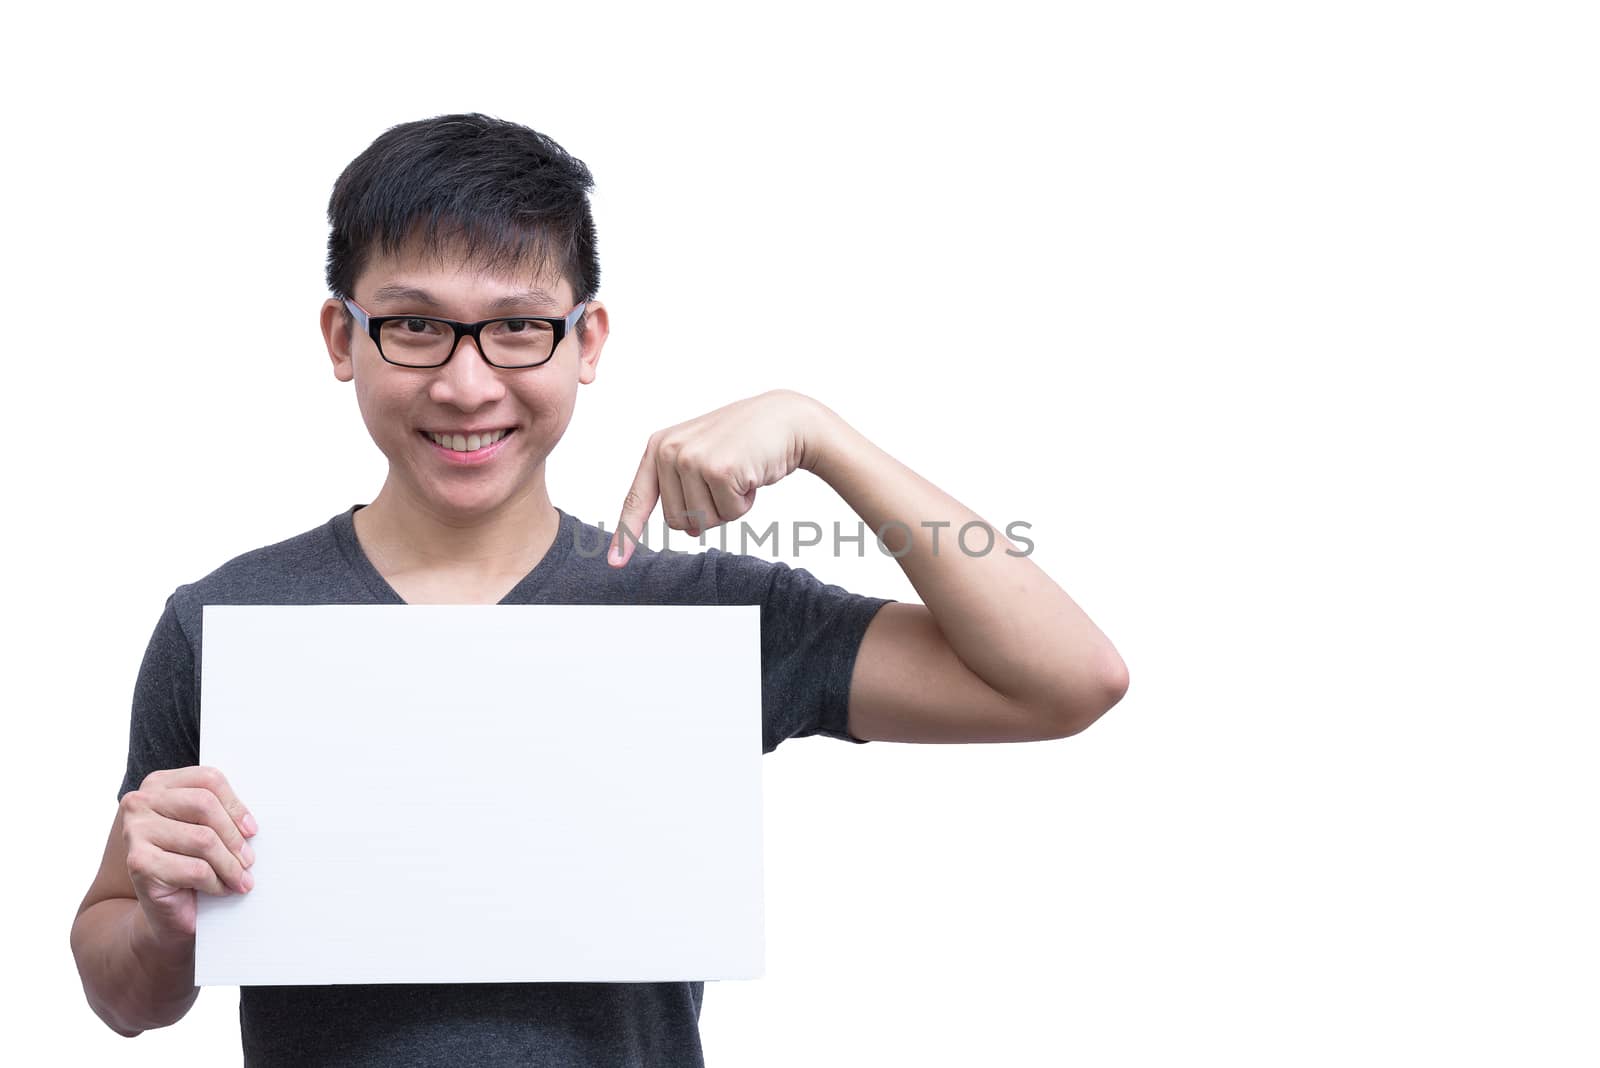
[
  {"x": 181, "y": 833},
  {"x": 999, "y": 653},
  {"x": 134, "y": 981}
]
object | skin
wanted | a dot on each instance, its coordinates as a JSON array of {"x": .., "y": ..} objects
[
  {"x": 997, "y": 651},
  {"x": 441, "y": 533}
]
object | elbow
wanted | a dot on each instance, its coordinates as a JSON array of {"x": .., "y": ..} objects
[
  {"x": 109, "y": 972},
  {"x": 1114, "y": 683},
  {"x": 109, "y": 1015},
  {"x": 81, "y": 952},
  {"x": 111, "y": 1022},
  {"x": 1089, "y": 702},
  {"x": 98, "y": 1006}
]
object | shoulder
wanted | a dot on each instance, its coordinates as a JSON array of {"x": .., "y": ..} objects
[{"x": 289, "y": 571}]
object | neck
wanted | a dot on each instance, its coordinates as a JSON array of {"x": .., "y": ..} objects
[{"x": 404, "y": 534}]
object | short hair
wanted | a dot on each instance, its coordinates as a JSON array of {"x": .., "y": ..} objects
[{"x": 500, "y": 193}]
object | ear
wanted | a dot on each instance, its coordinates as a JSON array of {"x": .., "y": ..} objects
[
  {"x": 596, "y": 327},
  {"x": 339, "y": 332}
]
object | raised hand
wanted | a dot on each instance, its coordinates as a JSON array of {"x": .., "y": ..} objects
[{"x": 705, "y": 472}]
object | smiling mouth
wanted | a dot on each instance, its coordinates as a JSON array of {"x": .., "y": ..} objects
[{"x": 468, "y": 443}]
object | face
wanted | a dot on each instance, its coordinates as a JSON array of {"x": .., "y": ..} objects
[{"x": 402, "y": 405}]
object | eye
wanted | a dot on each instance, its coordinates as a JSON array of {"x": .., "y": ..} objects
[{"x": 417, "y": 326}]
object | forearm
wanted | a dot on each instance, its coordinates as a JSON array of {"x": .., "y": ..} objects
[
  {"x": 132, "y": 981},
  {"x": 1005, "y": 618}
]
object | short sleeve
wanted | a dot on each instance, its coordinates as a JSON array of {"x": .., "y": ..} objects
[
  {"x": 164, "y": 730},
  {"x": 811, "y": 632}
]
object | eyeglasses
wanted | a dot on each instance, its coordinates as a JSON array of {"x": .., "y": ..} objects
[{"x": 423, "y": 341}]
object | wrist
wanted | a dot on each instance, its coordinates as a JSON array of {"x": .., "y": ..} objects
[
  {"x": 165, "y": 958},
  {"x": 823, "y": 434}
]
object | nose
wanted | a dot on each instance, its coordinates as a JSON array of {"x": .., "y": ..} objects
[{"x": 466, "y": 381}]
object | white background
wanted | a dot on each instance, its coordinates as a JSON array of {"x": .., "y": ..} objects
[{"x": 1277, "y": 322}]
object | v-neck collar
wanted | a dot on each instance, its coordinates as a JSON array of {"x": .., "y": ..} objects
[{"x": 344, "y": 532}]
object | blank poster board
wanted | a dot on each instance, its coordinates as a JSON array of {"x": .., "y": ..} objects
[{"x": 487, "y": 793}]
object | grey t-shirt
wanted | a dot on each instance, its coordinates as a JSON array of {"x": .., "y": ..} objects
[{"x": 810, "y": 633}]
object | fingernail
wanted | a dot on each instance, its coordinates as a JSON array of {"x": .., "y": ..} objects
[
  {"x": 248, "y": 855},
  {"x": 250, "y": 824},
  {"x": 248, "y": 880}
]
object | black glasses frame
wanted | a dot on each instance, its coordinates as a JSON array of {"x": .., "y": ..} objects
[{"x": 373, "y": 325}]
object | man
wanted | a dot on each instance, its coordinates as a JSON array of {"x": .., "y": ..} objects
[{"x": 463, "y": 274}]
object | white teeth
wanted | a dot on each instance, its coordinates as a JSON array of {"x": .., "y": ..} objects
[{"x": 469, "y": 443}]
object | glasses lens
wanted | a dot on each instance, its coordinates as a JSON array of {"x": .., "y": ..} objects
[
  {"x": 518, "y": 342},
  {"x": 416, "y": 342}
]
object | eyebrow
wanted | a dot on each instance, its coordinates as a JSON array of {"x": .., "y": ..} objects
[{"x": 509, "y": 302}]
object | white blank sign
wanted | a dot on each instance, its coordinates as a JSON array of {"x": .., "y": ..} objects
[{"x": 487, "y": 793}]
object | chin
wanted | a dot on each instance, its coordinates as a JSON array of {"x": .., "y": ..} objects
[
  {"x": 456, "y": 502},
  {"x": 479, "y": 498}
]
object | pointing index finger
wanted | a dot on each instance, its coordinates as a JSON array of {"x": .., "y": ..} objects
[{"x": 636, "y": 509}]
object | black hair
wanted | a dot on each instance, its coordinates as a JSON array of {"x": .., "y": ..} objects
[{"x": 504, "y": 195}]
